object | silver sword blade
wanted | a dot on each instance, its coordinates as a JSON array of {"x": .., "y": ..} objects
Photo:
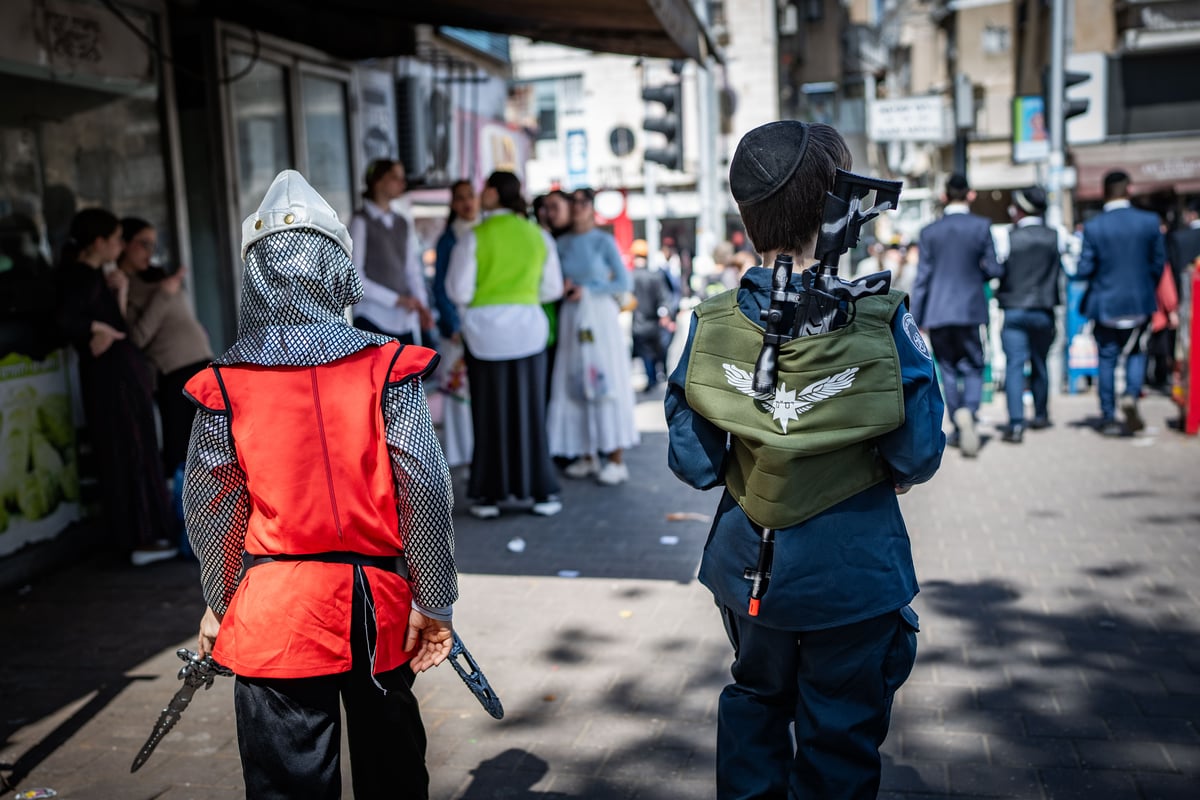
[
  {"x": 196, "y": 672},
  {"x": 166, "y": 721}
]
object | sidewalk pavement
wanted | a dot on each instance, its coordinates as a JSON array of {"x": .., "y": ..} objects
[{"x": 1059, "y": 655}]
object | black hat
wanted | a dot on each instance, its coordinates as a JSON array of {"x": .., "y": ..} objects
[
  {"x": 765, "y": 159},
  {"x": 958, "y": 182},
  {"x": 1031, "y": 200}
]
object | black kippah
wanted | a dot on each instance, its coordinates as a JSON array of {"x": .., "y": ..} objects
[{"x": 765, "y": 159}]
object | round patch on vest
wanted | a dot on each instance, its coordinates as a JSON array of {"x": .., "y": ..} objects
[{"x": 914, "y": 334}]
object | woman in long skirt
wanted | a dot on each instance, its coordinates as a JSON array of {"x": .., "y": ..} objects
[
  {"x": 591, "y": 396},
  {"x": 499, "y": 274},
  {"x": 116, "y": 384}
]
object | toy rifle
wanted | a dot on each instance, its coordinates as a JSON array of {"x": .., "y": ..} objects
[{"x": 824, "y": 303}]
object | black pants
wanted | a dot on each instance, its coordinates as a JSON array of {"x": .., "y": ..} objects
[
  {"x": 364, "y": 324},
  {"x": 177, "y": 413},
  {"x": 289, "y": 730}
]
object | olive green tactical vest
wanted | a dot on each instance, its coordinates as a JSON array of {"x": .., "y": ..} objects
[{"x": 809, "y": 444}]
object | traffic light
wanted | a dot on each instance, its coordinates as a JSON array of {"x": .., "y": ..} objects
[
  {"x": 1071, "y": 106},
  {"x": 1074, "y": 106},
  {"x": 669, "y": 124}
]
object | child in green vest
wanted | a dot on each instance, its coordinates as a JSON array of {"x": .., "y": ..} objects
[{"x": 854, "y": 420}]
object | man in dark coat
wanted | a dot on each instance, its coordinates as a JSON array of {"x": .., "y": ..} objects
[
  {"x": 957, "y": 258},
  {"x": 1122, "y": 260},
  {"x": 1183, "y": 245},
  {"x": 1028, "y": 293}
]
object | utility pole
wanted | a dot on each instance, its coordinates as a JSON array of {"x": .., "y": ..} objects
[
  {"x": 1054, "y": 109},
  {"x": 710, "y": 227}
]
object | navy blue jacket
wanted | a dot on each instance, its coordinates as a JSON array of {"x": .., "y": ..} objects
[
  {"x": 957, "y": 258},
  {"x": 448, "y": 323},
  {"x": 1122, "y": 260},
  {"x": 850, "y": 562}
]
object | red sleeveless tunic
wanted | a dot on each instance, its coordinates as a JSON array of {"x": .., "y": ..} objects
[{"x": 311, "y": 442}]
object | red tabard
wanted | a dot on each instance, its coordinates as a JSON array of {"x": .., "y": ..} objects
[{"x": 312, "y": 444}]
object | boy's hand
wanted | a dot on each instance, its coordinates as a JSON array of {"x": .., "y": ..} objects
[{"x": 431, "y": 638}]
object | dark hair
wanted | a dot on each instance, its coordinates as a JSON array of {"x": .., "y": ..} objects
[
  {"x": 536, "y": 206},
  {"x": 87, "y": 226},
  {"x": 789, "y": 219},
  {"x": 587, "y": 192},
  {"x": 376, "y": 171},
  {"x": 454, "y": 186},
  {"x": 508, "y": 187},
  {"x": 1194, "y": 205},
  {"x": 957, "y": 188},
  {"x": 1116, "y": 184},
  {"x": 132, "y": 226}
]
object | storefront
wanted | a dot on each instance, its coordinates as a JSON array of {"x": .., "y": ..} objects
[{"x": 85, "y": 122}]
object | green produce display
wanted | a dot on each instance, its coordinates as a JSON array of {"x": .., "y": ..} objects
[{"x": 37, "y": 455}]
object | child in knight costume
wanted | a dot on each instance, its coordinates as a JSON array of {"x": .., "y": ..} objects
[
  {"x": 319, "y": 503},
  {"x": 811, "y": 459}
]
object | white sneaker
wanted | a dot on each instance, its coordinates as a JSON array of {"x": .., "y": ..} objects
[
  {"x": 968, "y": 437},
  {"x": 581, "y": 467},
  {"x": 613, "y": 473},
  {"x": 484, "y": 511},
  {"x": 547, "y": 508},
  {"x": 161, "y": 551}
]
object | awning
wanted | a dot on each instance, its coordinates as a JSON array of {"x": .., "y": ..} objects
[
  {"x": 1153, "y": 165},
  {"x": 358, "y": 29}
]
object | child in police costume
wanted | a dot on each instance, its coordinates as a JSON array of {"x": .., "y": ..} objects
[{"x": 854, "y": 421}]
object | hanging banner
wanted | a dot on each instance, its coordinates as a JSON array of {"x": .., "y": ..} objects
[{"x": 1031, "y": 140}]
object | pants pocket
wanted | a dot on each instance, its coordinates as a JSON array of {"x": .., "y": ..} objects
[{"x": 903, "y": 652}]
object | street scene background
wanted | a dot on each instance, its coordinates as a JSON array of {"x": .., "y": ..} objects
[{"x": 1057, "y": 656}]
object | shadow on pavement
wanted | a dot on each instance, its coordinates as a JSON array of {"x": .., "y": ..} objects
[
  {"x": 1085, "y": 691},
  {"x": 73, "y": 636},
  {"x": 602, "y": 532}
]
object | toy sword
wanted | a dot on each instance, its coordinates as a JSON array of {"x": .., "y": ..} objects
[
  {"x": 194, "y": 673},
  {"x": 474, "y": 679}
]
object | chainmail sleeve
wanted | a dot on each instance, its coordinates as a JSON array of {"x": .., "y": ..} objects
[
  {"x": 424, "y": 497},
  {"x": 216, "y": 507}
]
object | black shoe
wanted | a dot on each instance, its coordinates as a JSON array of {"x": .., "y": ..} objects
[
  {"x": 1040, "y": 423},
  {"x": 952, "y": 439},
  {"x": 1013, "y": 434},
  {"x": 1112, "y": 428}
]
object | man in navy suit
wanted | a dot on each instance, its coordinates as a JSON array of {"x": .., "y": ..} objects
[
  {"x": 957, "y": 258},
  {"x": 1122, "y": 260}
]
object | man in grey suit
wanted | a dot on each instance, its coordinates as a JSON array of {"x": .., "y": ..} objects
[
  {"x": 1122, "y": 260},
  {"x": 957, "y": 258}
]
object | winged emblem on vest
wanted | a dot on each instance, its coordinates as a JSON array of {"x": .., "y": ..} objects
[{"x": 785, "y": 404}]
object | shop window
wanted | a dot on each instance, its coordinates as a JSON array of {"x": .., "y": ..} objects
[
  {"x": 260, "y": 117},
  {"x": 328, "y": 141}
]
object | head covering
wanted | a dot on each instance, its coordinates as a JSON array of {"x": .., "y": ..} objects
[
  {"x": 297, "y": 282},
  {"x": 640, "y": 248},
  {"x": 765, "y": 159},
  {"x": 1031, "y": 200},
  {"x": 958, "y": 182},
  {"x": 289, "y": 204}
]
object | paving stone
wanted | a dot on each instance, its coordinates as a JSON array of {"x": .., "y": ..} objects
[{"x": 1034, "y": 561}]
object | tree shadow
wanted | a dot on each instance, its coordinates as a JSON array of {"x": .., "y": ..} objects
[
  {"x": 1092, "y": 695},
  {"x": 73, "y": 637}
]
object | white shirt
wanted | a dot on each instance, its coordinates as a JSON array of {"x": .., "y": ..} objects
[
  {"x": 379, "y": 301},
  {"x": 1068, "y": 245},
  {"x": 501, "y": 332},
  {"x": 1113, "y": 205},
  {"x": 956, "y": 208}
]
